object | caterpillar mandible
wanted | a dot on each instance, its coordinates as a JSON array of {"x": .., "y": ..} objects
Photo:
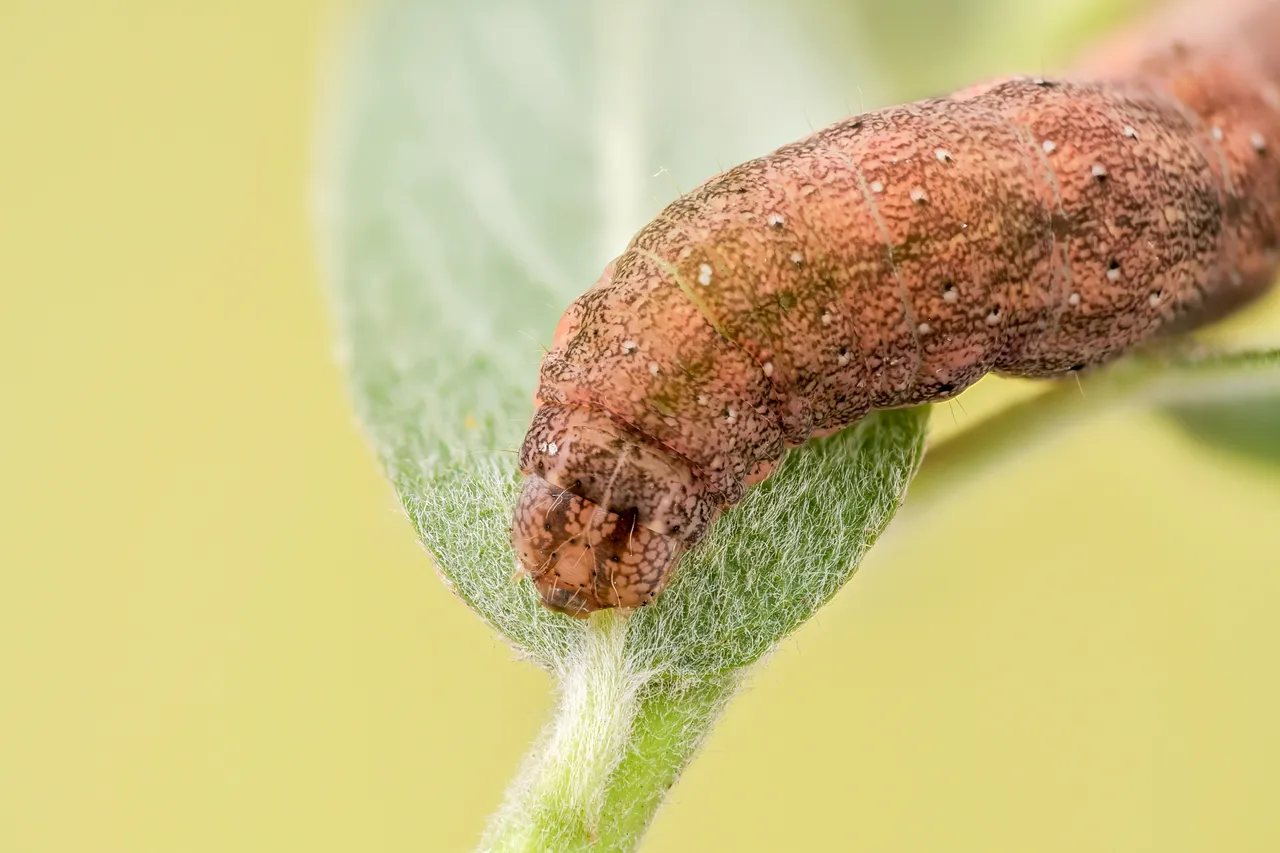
[{"x": 1027, "y": 226}]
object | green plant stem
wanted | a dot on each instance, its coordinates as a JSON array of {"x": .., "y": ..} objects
[
  {"x": 673, "y": 719},
  {"x": 1139, "y": 382},
  {"x": 617, "y": 742}
]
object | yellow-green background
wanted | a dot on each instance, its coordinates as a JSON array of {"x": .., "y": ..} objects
[{"x": 218, "y": 634}]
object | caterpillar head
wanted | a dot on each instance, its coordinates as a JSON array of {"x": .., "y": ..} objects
[
  {"x": 603, "y": 516},
  {"x": 583, "y": 557}
]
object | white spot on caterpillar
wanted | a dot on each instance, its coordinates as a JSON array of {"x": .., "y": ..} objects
[
  {"x": 943, "y": 155},
  {"x": 950, "y": 294},
  {"x": 777, "y": 220},
  {"x": 704, "y": 274},
  {"x": 877, "y": 187},
  {"x": 1130, "y": 132},
  {"x": 842, "y": 358},
  {"x": 653, "y": 368},
  {"x": 918, "y": 195},
  {"x": 993, "y": 317},
  {"x": 1048, "y": 145},
  {"x": 552, "y": 450},
  {"x": 1216, "y": 133},
  {"x": 797, "y": 258},
  {"x": 1113, "y": 274},
  {"x": 924, "y": 328},
  {"x": 703, "y": 400},
  {"x": 767, "y": 367},
  {"x": 826, "y": 318},
  {"x": 628, "y": 347},
  {"x": 1154, "y": 298},
  {"x": 730, "y": 415},
  {"x": 1073, "y": 299},
  {"x": 1099, "y": 170},
  {"x": 1258, "y": 141},
  {"x": 543, "y": 447}
]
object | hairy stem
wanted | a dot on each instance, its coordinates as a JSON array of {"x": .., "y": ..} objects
[
  {"x": 674, "y": 717},
  {"x": 617, "y": 742}
]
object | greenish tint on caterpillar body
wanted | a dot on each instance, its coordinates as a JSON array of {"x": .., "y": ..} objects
[{"x": 1027, "y": 226}]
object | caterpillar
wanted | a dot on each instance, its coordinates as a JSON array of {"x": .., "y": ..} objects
[{"x": 1026, "y": 226}]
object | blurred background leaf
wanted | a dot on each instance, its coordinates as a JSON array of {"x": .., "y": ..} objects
[{"x": 1248, "y": 429}]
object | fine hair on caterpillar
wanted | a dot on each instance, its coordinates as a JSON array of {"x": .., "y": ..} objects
[{"x": 1026, "y": 226}]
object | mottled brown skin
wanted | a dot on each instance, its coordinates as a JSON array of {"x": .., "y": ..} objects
[{"x": 1029, "y": 227}]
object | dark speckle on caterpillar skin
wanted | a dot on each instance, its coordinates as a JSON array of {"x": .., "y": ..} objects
[{"x": 1027, "y": 226}]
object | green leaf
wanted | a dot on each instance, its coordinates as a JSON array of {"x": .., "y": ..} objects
[
  {"x": 491, "y": 158},
  {"x": 1250, "y": 429}
]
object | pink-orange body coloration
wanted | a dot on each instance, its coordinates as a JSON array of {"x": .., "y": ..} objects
[{"x": 1026, "y": 226}]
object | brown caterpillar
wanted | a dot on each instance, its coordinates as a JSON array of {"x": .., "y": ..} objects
[{"x": 1026, "y": 226}]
